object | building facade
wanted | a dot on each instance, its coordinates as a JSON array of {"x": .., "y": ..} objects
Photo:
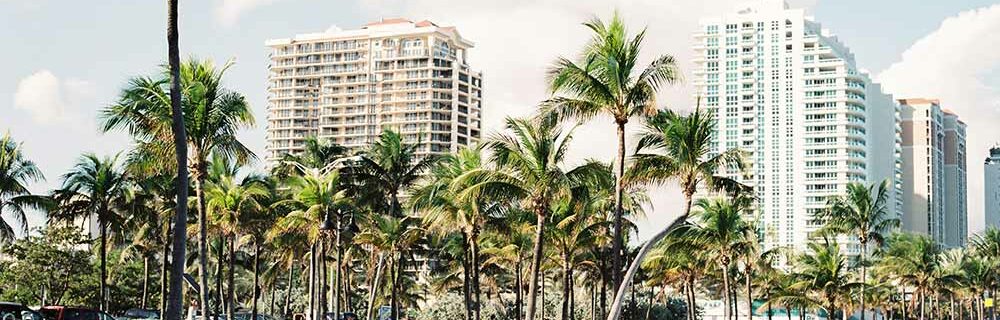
[
  {"x": 934, "y": 172},
  {"x": 789, "y": 93},
  {"x": 347, "y": 86},
  {"x": 991, "y": 188}
]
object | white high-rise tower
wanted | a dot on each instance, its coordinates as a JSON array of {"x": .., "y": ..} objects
[
  {"x": 991, "y": 188},
  {"x": 789, "y": 93}
]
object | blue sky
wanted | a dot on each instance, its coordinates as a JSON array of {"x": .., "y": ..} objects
[{"x": 64, "y": 60}]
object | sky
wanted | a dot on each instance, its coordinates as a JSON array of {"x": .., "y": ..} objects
[{"x": 65, "y": 60}]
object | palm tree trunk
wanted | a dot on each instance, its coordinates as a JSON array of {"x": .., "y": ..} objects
[
  {"x": 618, "y": 237},
  {"x": 394, "y": 284},
  {"x": 288, "y": 291},
  {"x": 922, "y": 311},
  {"x": 256, "y": 279},
  {"x": 311, "y": 315},
  {"x": 788, "y": 312},
  {"x": 519, "y": 292},
  {"x": 466, "y": 278},
  {"x": 616, "y": 306},
  {"x": 604, "y": 289},
  {"x": 199, "y": 177},
  {"x": 727, "y": 312},
  {"x": 375, "y": 286},
  {"x": 337, "y": 276},
  {"x": 567, "y": 288},
  {"x": 164, "y": 266},
  {"x": 864, "y": 275},
  {"x": 230, "y": 277},
  {"x": 749, "y": 273},
  {"x": 174, "y": 308},
  {"x": 536, "y": 263},
  {"x": 145, "y": 280},
  {"x": 476, "y": 290},
  {"x": 104, "y": 267}
]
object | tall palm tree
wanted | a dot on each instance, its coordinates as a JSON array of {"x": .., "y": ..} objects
[
  {"x": 822, "y": 275},
  {"x": 529, "y": 159},
  {"x": 673, "y": 147},
  {"x": 914, "y": 260},
  {"x": 213, "y": 115},
  {"x": 722, "y": 231},
  {"x": 317, "y": 153},
  {"x": 179, "y": 134},
  {"x": 679, "y": 261},
  {"x": 607, "y": 80},
  {"x": 391, "y": 236},
  {"x": 148, "y": 217},
  {"x": 16, "y": 172},
  {"x": 437, "y": 200},
  {"x": 95, "y": 189},
  {"x": 230, "y": 202},
  {"x": 861, "y": 213}
]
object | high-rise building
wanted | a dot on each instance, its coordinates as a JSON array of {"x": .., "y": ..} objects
[
  {"x": 934, "y": 171},
  {"x": 956, "y": 205},
  {"x": 991, "y": 188},
  {"x": 789, "y": 93},
  {"x": 349, "y": 85}
]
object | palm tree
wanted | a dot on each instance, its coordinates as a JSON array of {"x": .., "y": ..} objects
[
  {"x": 822, "y": 275},
  {"x": 391, "y": 236},
  {"x": 437, "y": 199},
  {"x": 387, "y": 169},
  {"x": 607, "y": 81},
  {"x": 722, "y": 232},
  {"x": 148, "y": 213},
  {"x": 679, "y": 261},
  {"x": 96, "y": 188},
  {"x": 529, "y": 161},
  {"x": 316, "y": 195},
  {"x": 179, "y": 134},
  {"x": 675, "y": 147},
  {"x": 914, "y": 260},
  {"x": 317, "y": 154},
  {"x": 16, "y": 172},
  {"x": 230, "y": 202},
  {"x": 212, "y": 116},
  {"x": 862, "y": 213}
]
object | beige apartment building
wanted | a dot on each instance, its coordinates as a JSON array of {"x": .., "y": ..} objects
[
  {"x": 349, "y": 85},
  {"x": 934, "y": 171}
]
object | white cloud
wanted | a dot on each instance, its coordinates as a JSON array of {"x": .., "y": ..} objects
[
  {"x": 228, "y": 11},
  {"x": 517, "y": 40},
  {"x": 48, "y": 99},
  {"x": 959, "y": 63}
]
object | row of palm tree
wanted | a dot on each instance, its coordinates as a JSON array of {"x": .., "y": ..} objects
[{"x": 497, "y": 222}]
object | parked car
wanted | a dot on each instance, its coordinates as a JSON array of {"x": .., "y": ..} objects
[
  {"x": 17, "y": 311},
  {"x": 72, "y": 313},
  {"x": 140, "y": 314}
]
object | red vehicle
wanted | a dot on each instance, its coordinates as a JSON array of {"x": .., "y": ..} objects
[{"x": 72, "y": 313}]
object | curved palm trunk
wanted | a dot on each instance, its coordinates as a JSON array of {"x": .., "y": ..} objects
[
  {"x": 618, "y": 237},
  {"x": 179, "y": 239},
  {"x": 202, "y": 232},
  {"x": 104, "y": 267},
  {"x": 616, "y": 306},
  {"x": 536, "y": 262}
]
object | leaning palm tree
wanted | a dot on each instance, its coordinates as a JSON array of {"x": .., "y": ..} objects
[
  {"x": 96, "y": 189},
  {"x": 673, "y": 147},
  {"x": 529, "y": 160},
  {"x": 212, "y": 116},
  {"x": 862, "y": 213},
  {"x": 607, "y": 80},
  {"x": 16, "y": 172}
]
